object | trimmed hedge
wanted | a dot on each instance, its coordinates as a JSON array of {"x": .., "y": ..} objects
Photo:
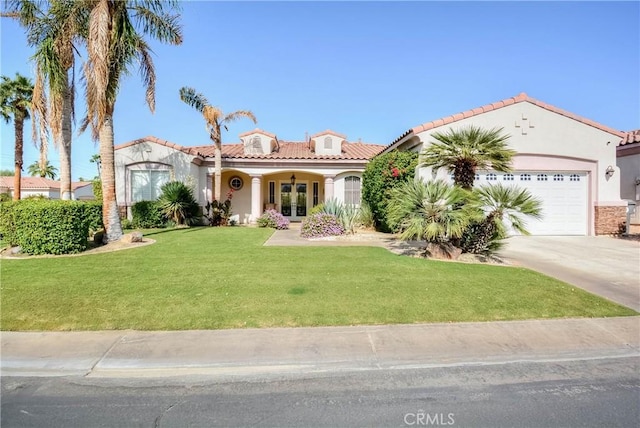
[
  {"x": 147, "y": 215},
  {"x": 383, "y": 173},
  {"x": 49, "y": 226}
]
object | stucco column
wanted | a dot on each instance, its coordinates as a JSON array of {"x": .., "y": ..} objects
[
  {"x": 328, "y": 187},
  {"x": 256, "y": 197}
]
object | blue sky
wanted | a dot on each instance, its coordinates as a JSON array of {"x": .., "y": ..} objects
[{"x": 369, "y": 70}]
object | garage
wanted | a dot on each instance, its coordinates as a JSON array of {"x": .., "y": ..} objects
[{"x": 563, "y": 194}]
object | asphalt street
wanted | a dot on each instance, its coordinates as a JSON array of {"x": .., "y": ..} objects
[{"x": 593, "y": 392}]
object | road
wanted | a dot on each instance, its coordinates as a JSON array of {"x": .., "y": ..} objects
[{"x": 545, "y": 393}]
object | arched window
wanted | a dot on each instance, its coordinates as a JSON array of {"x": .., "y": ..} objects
[
  {"x": 492, "y": 177},
  {"x": 507, "y": 177},
  {"x": 352, "y": 190},
  {"x": 327, "y": 143},
  {"x": 558, "y": 177},
  {"x": 525, "y": 177},
  {"x": 574, "y": 177},
  {"x": 541, "y": 177}
]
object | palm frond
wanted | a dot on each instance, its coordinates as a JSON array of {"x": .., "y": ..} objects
[{"x": 193, "y": 98}]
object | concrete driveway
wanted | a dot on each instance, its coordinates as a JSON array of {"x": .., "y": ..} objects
[{"x": 608, "y": 267}]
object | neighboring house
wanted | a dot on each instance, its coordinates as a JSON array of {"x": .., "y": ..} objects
[
  {"x": 628, "y": 152},
  {"x": 263, "y": 171},
  {"x": 567, "y": 161},
  {"x": 38, "y": 186}
]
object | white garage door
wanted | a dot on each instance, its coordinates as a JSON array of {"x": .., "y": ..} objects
[{"x": 563, "y": 196}]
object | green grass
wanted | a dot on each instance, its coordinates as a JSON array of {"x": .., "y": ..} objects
[{"x": 213, "y": 278}]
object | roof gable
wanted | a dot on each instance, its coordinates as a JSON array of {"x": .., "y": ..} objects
[{"x": 188, "y": 150}]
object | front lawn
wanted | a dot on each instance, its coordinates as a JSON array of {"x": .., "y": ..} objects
[{"x": 212, "y": 278}]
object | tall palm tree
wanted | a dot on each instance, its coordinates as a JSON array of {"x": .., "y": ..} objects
[
  {"x": 466, "y": 150},
  {"x": 36, "y": 170},
  {"x": 432, "y": 211},
  {"x": 215, "y": 119},
  {"x": 115, "y": 41},
  {"x": 15, "y": 101},
  {"x": 500, "y": 203},
  {"x": 54, "y": 30}
]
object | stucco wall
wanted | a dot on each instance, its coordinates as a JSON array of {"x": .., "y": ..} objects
[
  {"x": 562, "y": 140},
  {"x": 150, "y": 155},
  {"x": 629, "y": 174},
  {"x": 336, "y": 145}
]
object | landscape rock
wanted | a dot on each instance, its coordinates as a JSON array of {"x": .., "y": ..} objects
[
  {"x": 131, "y": 237},
  {"x": 442, "y": 251}
]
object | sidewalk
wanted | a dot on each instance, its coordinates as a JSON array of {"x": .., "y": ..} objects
[{"x": 262, "y": 352}]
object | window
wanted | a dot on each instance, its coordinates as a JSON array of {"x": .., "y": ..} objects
[
  {"x": 574, "y": 177},
  {"x": 558, "y": 177},
  {"x": 541, "y": 177},
  {"x": 327, "y": 143},
  {"x": 316, "y": 193},
  {"x": 235, "y": 182},
  {"x": 492, "y": 177},
  {"x": 352, "y": 190},
  {"x": 507, "y": 177},
  {"x": 477, "y": 177},
  {"x": 525, "y": 177},
  {"x": 272, "y": 192},
  {"x": 146, "y": 184}
]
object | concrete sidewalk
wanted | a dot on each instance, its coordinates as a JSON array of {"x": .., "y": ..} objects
[{"x": 232, "y": 353}]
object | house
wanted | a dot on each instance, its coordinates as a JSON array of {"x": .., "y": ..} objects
[
  {"x": 262, "y": 170},
  {"x": 38, "y": 186},
  {"x": 567, "y": 161},
  {"x": 628, "y": 160}
]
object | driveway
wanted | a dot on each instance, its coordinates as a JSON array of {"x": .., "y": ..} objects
[{"x": 605, "y": 266}]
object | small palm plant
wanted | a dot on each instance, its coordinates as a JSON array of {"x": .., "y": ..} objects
[
  {"x": 500, "y": 203},
  {"x": 433, "y": 211},
  {"x": 178, "y": 203}
]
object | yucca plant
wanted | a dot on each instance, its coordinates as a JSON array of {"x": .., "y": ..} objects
[
  {"x": 500, "y": 203},
  {"x": 178, "y": 203}
]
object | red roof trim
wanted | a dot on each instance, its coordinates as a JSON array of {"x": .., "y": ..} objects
[
  {"x": 156, "y": 140},
  {"x": 631, "y": 137},
  {"x": 330, "y": 132},
  {"x": 258, "y": 131}
]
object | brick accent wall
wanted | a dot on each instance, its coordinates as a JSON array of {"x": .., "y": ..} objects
[{"x": 609, "y": 219}]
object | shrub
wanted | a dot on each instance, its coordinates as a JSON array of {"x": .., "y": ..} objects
[
  {"x": 96, "y": 186},
  {"x": 218, "y": 213},
  {"x": 350, "y": 218},
  {"x": 321, "y": 225},
  {"x": 94, "y": 216},
  {"x": 178, "y": 203},
  {"x": 383, "y": 173},
  {"x": 317, "y": 209},
  {"x": 146, "y": 215},
  {"x": 272, "y": 218},
  {"x": 46, "y": 226},
  {"x": 366, "y": 216}
]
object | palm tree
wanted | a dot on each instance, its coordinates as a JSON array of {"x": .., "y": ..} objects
[
  {"x": 15, "y": 101},
  {"x": 466, "y": 150},
  {"x": 215, "y": 119},
  {"x": 96, "y": 159},
  {"x": 433, "y": 211},
  {"x": 54, "y": 31},
  {"x": 115, "y": 41},
  {"x": 500, "y": 203},
  {"x": 36, "y": 170}
]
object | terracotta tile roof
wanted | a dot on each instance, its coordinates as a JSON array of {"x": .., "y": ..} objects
[
  {"x": 184, "y": 149},
  {"x": 631, "y": 137},
  {"x": 258, "y": 131},
  {"x": 330, "y": 132},
  {"x": 38, "y": 183},
  {"x": 522, "y": 97},
  {"x": 295, "y": 150}
]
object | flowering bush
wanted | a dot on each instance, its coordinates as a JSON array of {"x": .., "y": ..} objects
[
  {"x": 272, "y": 218},
  {"x": 320, "y": 225}
]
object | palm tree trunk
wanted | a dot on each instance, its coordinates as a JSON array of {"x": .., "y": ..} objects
[
  {"x": 65, "y": 149},
  {"x": 218, "y": 172},
  {"x": 110, "y": 215},
  {"x": 19, "y": 133}
]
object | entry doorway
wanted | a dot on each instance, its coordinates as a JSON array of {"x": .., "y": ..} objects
[{"x": 293, "y": 200}]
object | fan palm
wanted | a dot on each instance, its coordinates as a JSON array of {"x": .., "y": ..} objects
[
  {"x": 36, "y": 170},
  {"x": 15, "y": 102},
  {"x": 432, "y": 211},
  {"x": 114, "y": 42},
  {"x": 501, "y": 203},
  {"x": 466, "y": 150},
  {"x": 215, "y": 119},
  {"x": 53, "y": 31}
]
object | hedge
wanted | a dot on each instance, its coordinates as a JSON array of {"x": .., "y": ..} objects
[
  {"x": 383, "y": 173},
  {"x": 147, "y": 215},
  {"x": 49, "y": 226}
]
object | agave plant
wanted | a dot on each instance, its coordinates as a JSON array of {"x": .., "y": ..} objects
[
  {"x": 501, "y": 203},
  {"x": 178, "y": 203}
]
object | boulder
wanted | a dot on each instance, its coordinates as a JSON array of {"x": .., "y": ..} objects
[
  {"x": 442, "y": 251},
  {"x": 131, "y": 237}
]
